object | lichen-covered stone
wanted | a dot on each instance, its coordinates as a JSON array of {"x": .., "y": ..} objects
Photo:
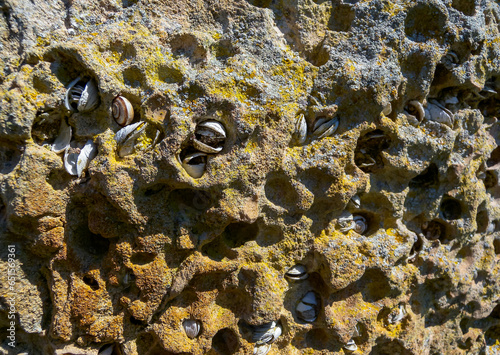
[{"x": 406, "y": 96}]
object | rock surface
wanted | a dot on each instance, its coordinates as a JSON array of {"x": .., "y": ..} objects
[{"x": 353, "y": 207}]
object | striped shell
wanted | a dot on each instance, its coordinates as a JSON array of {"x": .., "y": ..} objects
[{"x": 123, "y": 112}]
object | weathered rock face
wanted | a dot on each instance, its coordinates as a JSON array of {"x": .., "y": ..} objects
[{"x": 297, "y": 177}]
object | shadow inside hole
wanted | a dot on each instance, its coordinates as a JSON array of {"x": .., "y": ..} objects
[
  {"x": 494, "y": 158},
  {"x": 496, "y": 246},
  {"x": 217, "y": 250},
  {"x": 482, "y": 221},
  {"x": 467, "y": 7},
  {"x": 133, "y": 77},
  {"x": 492, "y": 335},
  {"x": 269, "y": 235},
  {"x": 58, "y": 179},
  {"x": 385, "y": 346},
  {"x": 367, "y": 155},
  {"x": 435, "y": 230},
  {"x": 374, "y": 285},
  {"x": 490, "y": 179},
  {"x": 91, "y": 282},
  {"x": 225, "y": 342},
  {"x": 9, "y": 158},
  {"x": 88, "y": 242},
  {"x": 318, "y": 339},
  {"x": 281, "y": 193},
  {"x": 451, "y": 208},
  {"x": 495, "y": 313},
  {"x": 192, "y": 199},
  {"x": 428, "y": 178},
  {"x": 142, "y": 258},
  {"x": 237, "y": 234}
]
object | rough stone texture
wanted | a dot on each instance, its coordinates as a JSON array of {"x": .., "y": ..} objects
[{"x": 127, "y": 252}]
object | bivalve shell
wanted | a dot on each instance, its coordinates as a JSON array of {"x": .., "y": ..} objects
[
  {"x": 261, "y": 349},
  {"x": 351, "y": 345},
  {"x": 123, "y": 112},
  {"x": 63, "y": 140},
  {"x": 324, "y": 127},
  {"x": 266, "y": 333},
  {"x": 192, "y": 327},
  {"x": 297, "y": 272},
  {"x": 414, "y": 108},
  {"x": 195, "y": 164},
  {"x": 437, "y": 112},
  {"x": 307, "y": 309},
  {"x": 88, "y": 152},
  {"x": 81, "y": 96},
  {"x": 209, "y": 137},
  {"x": 300, "y": 131},
  {"x": 126, "y": 137}
]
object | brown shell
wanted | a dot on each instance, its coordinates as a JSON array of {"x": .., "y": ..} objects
[{"x": 123, "y": 112}]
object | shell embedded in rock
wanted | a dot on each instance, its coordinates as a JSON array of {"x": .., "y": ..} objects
[
  {"x": 195, "y": 164},
  {"x": 415, "y": 108},
  {"x": 106, "y": 349},
  {"x": 261, "y": 349},
  {"x": 88, "y": 152},
  {"x": 300, "y": 131},
  {"x": 307, "y": 309},
  {"x": 71, "y": 158},
  {"x": 123, "y": 112},
  {"x": 209, "y": 137},
  {"x": 397, "y": 314},
  {"x": 297, "y": 272},
  {"x": 387, "y": 109},
  {"x": 126, "y": 137},
  {"x": 81, "y": 96},
  {"x": 351, "y": 345},
  {"x": 360, "y": 224},
  {"x": 356, "y": 201},
  {"x": 266, "y": 333},
  {"x": 63, "y": 139},
  {"x": 345, "y": 221},
  {"x": 324, "y": 127},
  {"x": 437, "y": 112},
  {"x": 192, "y": 327}
]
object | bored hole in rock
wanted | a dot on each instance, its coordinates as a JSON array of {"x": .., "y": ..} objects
[
  {"x": 434, "y": 230},
  {"x": 492, "y": 335},
  {"x": 142, "y": 258},
  {"x": 84, "y": 239},
  {"x": 374, "y": 285},
  {"x": 136, "y": 321},
  {"x": 318, "y": 339},
  {"x": 237, "y": 234},
  {"x": 367, "y": 155},
  {"x": 490, "y": 179},
  {"x": 225, "y": 342},
  {"x": 197, "y": 199},
  {"x": 58, "y": 179},
  {"x": 494, "y": 158},
  {"x": 467, "y": 7},
  {"x": 281, "y": 193},
  {"x": 385, "y": 346},
  {"x": 496, "y": 246},
  {"x": 451, "y": 208},
  {"x": 188, "y": 46},
  {"x": 133, "y": 77},
  {"x": 153, "y": 190},
  {"x": 495, "y": 313},
  {"x": 91, "y": 282},
  {"x": 261, "y": 3},
  {"x": 428, "y": 178},
  {"x": 9, "y": 158},
  {"x": 482, "y": 221}
]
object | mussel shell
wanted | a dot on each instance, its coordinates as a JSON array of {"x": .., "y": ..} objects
[
  {"x": 194, "y": 169},
  {"x": 324, "y": 127},
  {"x": 297, "y": 272},
  {"x": 300, "y": 132},
  {"x": 88, "y": 152},
  {"x": 123, "y": 112},
  {"x": 63, "y": 139},
  {"x": 192, "y": 327},
  {"x": 261, "y": 349},
  {"x": 351, "y": 346}
]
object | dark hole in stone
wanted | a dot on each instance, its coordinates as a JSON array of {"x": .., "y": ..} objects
[
  {"x": 237, "y": 234},
  {"x": 374, "y": 285},
  {"x": 367, "y": 153},
  {"x": 482, "y": 221},
  {"x": 136, "y": 321},
  {"x": 423, "y": 21},
  {"x": 58, "y": 179},
  {"x": 153, "y": 190},
  {"x": 492, "y": 335},
  {"x": 318, "y": 339},
  {"x": 342, "y": 18},
  {"x": 224, "y": 49},
  {"x": 261, "y": 3},
  {"x": 187, "y": 45},
  {"x": 91, "y": 282},
  {"x": 428, "y": 178},
  {"x": 490, "y": 179},
  {"x": 416, "y": 247},
  {"x": 496, "y": 245},
  {"x": 494, "y": 158},
  {"x": 495, "y": 313},
  {"x": 9, "y": 158},
  {"x": 225, "y": 341},
  {"x": 388, "y": 347},
  {"x": 434, "y": 230},
  {"x": 105, "y": 349},
  {"x": 142, "y": 258},
  {"x": 197, "y": 199},
  {"x": 464, "y": 325},
  {"x": 281, "y": 193},
  {"x": 94, "y": 244},
  {"x": 451, "y": 208},
  {"x": 467, "y": 7},
  {"x": 133, "y": 77}
]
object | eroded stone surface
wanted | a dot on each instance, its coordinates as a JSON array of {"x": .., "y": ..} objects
[{"x": 127, "y": 252}]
